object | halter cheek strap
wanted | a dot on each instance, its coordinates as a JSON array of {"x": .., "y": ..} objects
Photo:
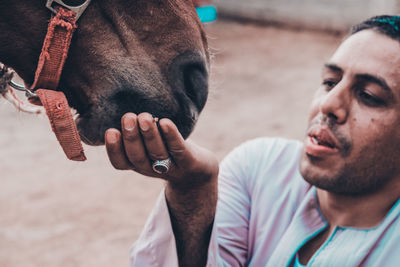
[{"x": 51, "y": 61}]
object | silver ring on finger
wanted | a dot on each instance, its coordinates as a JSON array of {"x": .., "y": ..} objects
[{"x": 161, "y": 166}]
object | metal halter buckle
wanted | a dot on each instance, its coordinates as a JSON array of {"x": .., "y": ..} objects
[
  {"x": 16, "y": 86},
  {"x": 77, "y": 9}
]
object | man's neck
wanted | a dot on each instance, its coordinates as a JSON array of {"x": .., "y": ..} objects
[{"x": 358, "y": 211}]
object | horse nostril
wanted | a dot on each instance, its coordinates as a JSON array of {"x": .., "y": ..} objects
[
  {"x": 195, "y": 82},
  {"x": 189, "y": 79}
]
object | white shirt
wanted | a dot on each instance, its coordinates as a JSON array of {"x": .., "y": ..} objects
[{"x": 266, "y": 212}]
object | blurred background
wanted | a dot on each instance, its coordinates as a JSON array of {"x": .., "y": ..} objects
[
  {"x": 328, "y": 15},
  {"x": 266, "y": 62}
]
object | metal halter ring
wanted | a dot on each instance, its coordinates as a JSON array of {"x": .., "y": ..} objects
[
  {"x": 161, "y": 166},
  {"x": 16, "y": 86},
  {"x": 79, "y": 9}
]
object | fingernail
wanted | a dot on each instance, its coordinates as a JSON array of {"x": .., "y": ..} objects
[
  {"x": 129, "y": 124},
  {"x": 144, "y": 125},
  {"x": 164, "y": 127},
  {"x": 112, "y": 137}
]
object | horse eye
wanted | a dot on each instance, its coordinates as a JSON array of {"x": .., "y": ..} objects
[{"x": 73, "y": 2}]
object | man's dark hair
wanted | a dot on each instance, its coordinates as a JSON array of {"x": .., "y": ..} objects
[{"x": 387, "y": 25}]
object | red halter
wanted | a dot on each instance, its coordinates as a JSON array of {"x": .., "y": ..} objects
[{"x": 51, "y": 61}]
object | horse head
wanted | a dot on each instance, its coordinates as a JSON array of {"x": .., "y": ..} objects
[{"x": 126, "y": 56}]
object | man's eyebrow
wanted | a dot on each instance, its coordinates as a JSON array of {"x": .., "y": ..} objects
[
  {"x": 333, "y": 67},
  {"x": 363, "y": 77},
  {"x": 374, "y": 79}
]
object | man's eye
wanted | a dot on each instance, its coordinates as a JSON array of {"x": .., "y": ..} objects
[
  {"x": 370, "y": 100},
  {"x": 328, "y": 84}
]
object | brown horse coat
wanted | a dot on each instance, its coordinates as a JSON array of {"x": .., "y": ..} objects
[{"x": 126, "y": 56}]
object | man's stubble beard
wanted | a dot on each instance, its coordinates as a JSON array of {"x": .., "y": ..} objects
[{"x": 354, "y": 179}]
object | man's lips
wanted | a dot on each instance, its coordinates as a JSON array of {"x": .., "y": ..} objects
[{"x": 321, "y": 142}]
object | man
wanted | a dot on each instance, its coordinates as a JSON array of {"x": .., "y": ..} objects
[{"x": 331, "y": 201}]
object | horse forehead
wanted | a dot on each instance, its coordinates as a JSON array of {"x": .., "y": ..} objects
[
  {"x": 170, "y": 24},
  {"x": 179, "y": 7}
]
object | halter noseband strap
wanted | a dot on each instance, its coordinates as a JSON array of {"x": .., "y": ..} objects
[{"x": 51, "y": 62}]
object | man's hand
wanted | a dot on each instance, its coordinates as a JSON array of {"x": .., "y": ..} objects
[
  {"x": 141, "y": 143},
  {"x": 191, "y": 190}
]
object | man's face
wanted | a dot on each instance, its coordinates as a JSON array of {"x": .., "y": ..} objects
[{"x": 353, "y": 138}]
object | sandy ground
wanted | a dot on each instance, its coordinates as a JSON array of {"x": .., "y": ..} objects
[{"x": 54, "y": 212}]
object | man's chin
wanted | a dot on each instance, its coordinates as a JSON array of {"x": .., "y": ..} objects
[{"x": 316, "y": 171}]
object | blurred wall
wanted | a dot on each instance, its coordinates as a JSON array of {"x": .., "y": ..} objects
[{"x": 332, "y": 15}]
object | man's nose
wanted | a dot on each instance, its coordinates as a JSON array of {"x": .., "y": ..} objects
[{"x": 336, "y": 103}]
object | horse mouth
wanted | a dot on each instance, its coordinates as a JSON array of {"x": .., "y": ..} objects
[
  {"x": 88, "y": 137},
  {"x": 93, "y": 137},
  {"x": 92, "y": 125}
]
